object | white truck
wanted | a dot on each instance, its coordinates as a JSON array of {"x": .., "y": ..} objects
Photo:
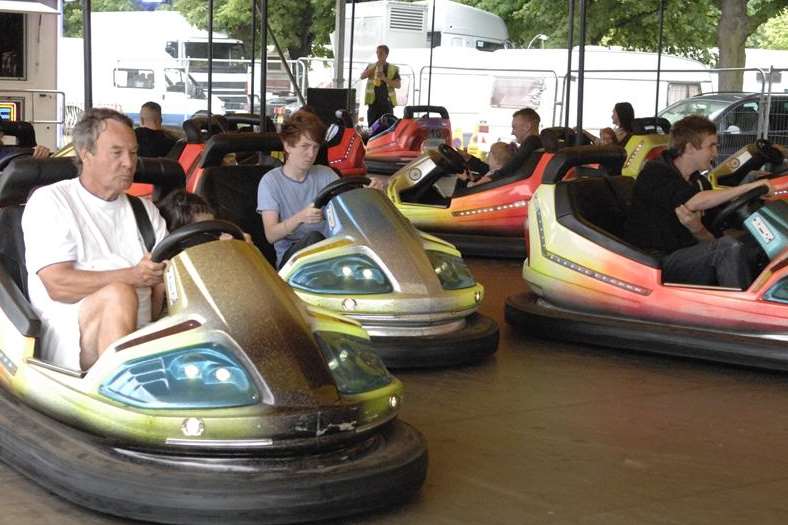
[
  {"x": 125, "y": 84},
  {"x": 159, "y": 56},
  {"x": 409, "y": 25}
]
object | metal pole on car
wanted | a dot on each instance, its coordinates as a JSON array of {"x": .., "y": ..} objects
[
  {"x": 263, "y": 59},
  {"x": 569, "y": 44},
  {"x": 432, "y": 47},
  {"x": 659, "y": 52},
  {"x": 210, "y": 56},
  {"x": 86, "y": 49},
  {"x": 581, "y": 72},
  {"x": 350, "y": 105},
  {"x": 254, "y": 53}
]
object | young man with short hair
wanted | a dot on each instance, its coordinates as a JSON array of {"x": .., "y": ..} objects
[
  {"x": 153, "y": 141},
  {"x": 668, "y": 202}
]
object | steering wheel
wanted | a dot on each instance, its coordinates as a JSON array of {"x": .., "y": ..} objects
[
  {"x": 191, "y": 235},
  {"x": 738, "y": 206},
  {"x": 339, "y": 186},
  {"x": 772, "y": 154},
  {"x": 8, "y": 159},
  {"x": 451, "y": 159}
]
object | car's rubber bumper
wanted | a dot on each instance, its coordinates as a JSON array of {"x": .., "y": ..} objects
[
  {"x": 477, "y": 340},
  {"x": 536, "y": 317},
  {"x": 384, "y": 469},
  {"x": 484, "y": 245}
]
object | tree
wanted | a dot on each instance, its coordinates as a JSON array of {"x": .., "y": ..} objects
[
  {"x": 72, "y": 13},
  {"x": 692, "y": 27},
  {"x": 738, "y": 21},
  {"x": 773, "y": 34},
  {"x": 302, "y": 27}
]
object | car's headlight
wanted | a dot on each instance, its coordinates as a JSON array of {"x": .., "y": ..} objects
[
  {"x": 451, "y": 270},
  {"x": 204, "y": 376},
  {"x": 350, "y": 274},
  {"x": 353, "y": 363}
]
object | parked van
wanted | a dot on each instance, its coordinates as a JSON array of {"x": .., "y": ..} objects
[{"x": 741, "y": 118}]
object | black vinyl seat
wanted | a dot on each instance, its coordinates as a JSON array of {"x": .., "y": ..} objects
[
  {"x": 232, "y": 192},
  {"x": 597, "y": 208}
]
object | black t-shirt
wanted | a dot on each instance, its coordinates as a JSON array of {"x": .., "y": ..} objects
[
  {"x": 153, "y": 142},
  {"x": 531, "y": 144},
  {"x": 659, "y": 189}
]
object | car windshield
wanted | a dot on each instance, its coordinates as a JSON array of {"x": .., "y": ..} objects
[{"x": 705, "y": 107}]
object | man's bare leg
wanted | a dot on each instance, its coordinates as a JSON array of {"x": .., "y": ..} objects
[{"x": 104, "y": 317}]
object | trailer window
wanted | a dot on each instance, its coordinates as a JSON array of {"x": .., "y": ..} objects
[
  {"x": 134, "y": 78},
  {"x": 681, "y": 90},
  {"x": 517, "y": 92},
  {"x": 12, "y": 46}
]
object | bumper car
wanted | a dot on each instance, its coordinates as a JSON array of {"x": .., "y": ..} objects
[
  {"x": 344, "y": 148},
  {"x": 758, "y": 157},
  {"x": 240, "y": 405},
  {"x": 412, "y": 292},
  {"x": 586, "y": 284},
  {"x": 484, "y": 220},
  {"x": 649, "y": 139},
  {"x": 400, "y": 141}
]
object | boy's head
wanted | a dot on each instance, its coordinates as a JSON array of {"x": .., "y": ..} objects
[
  {"x": 500, "y": 154},
  {"x": 607, "y": 136},
  {"x": 180, "y": 208},
  {"x": 695, "y": 139}
]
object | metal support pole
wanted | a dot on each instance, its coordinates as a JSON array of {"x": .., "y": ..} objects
[
  {"x": 659, "y": 52},
  {"x": 581, "y": 72},
  {"x": 263, "y": 60},
  {"x": 569, "y": 45},
  {"x": 86, "y": 49},
  {"x": 350, "y": 105},
  {"x": 284, "y": 63},
  {"x": 210, "y": 56},
  {"x": 254, "y": 53},
  {"x": 339, "y": 47},
  {"x": 432, "y": 47}
]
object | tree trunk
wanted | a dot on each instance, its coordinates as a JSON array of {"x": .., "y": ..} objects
[{"x": 732, "y": 33}]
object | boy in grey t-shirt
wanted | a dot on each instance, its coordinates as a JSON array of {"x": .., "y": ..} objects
[{"x": 287, "y": 197}]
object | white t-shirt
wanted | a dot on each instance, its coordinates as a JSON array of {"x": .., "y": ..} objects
[{"x": 64, "y": 222}]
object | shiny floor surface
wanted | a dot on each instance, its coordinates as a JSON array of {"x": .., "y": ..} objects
[{"x": 551, "y": 433}]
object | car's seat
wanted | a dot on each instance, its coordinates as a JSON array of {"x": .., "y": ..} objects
[
  {"x": 597, "y": 208},
  {"x": 232, "y": 192}
]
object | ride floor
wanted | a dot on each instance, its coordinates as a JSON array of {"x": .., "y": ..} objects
[{"x": 551, "y": 433}]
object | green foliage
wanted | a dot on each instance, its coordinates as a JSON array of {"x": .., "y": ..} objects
[
  {"x": 690, "y": 27},
  {"x": 773, "y": 34},
  {"x": 72, "y": 13},
  {"x": 301, "y": 27}
]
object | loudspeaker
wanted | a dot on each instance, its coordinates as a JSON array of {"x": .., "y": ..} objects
[{"x": 326, "y": 101}]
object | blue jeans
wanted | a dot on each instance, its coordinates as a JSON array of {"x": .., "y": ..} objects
[{"x": 720, "y": 262}]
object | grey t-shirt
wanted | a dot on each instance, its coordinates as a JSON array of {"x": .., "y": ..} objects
[{"x": 278, "y": 192}]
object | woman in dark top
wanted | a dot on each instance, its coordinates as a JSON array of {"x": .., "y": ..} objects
[{"x": 623, "y": 115}]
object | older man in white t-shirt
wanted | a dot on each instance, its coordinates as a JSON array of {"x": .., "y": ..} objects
[{"x": 91, "y": 280}]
